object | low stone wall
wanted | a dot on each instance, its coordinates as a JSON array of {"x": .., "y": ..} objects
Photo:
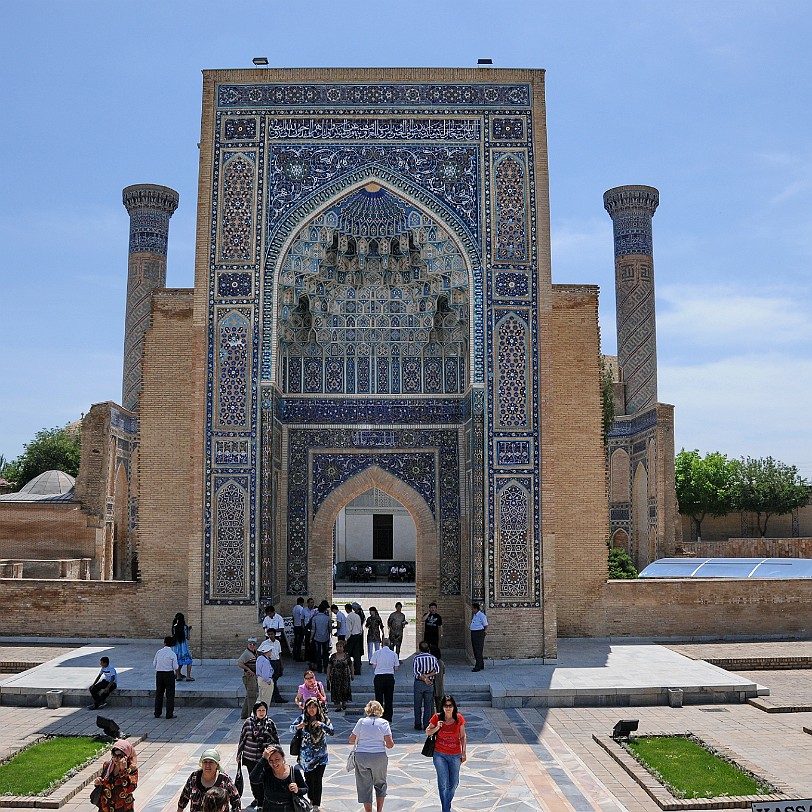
[
  {"x": 70, "y": 608},
  {"x": 750, "y": 548},
  {"x": 708, "y": 608}
]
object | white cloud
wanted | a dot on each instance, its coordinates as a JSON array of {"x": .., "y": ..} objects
[{"x": 753, "y": 405}]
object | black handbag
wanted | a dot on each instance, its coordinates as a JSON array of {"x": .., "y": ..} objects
[
  {"x": 428, "y": 746},
  {"x": 296, "y": 743},
  {"x": 301, "y": 803},
  {"x": 239, "y": 782},
  {"x": 95, "y": 796}
]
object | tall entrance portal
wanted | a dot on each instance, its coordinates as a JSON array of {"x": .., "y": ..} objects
[{"x": 378, "y": 306}]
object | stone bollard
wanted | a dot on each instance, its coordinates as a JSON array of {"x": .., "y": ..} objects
[
  {"x": 675, "y": 696},
  {"x": 54, "y": 699}
]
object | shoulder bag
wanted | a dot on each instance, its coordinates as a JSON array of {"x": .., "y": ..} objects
[
  {"x": 301, "y": 803},
  {"x": 96, "y": 792},
  {"x": 351, "y": 756},
  {"x": 428, "y": 745},
  {"x": 296, "y": 743},
  {"x": 239, "y": 781}
]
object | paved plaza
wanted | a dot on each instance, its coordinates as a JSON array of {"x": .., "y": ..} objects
[{"x": 528, "y": 758}]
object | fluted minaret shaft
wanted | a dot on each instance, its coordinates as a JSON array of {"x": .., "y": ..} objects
[
  {"x": 632, "y": 209},
  {"x": 150, "y": 208}
]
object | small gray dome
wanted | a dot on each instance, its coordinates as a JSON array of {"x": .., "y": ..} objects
[{"x": 49, "y": 483}]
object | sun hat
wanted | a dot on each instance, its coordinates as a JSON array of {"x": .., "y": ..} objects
[{"x": 210, "y": 755}]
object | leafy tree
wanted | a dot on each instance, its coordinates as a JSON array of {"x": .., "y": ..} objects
[
  {"x": 607, "y": 397},
  {"x": 620, "y": 564},
  {"x": 768, "y": 488},
  {"x": 705, "y": 485},
  {"x": 51, "y": 449}
]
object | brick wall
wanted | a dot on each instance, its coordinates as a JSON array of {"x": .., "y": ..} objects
[
  {"x": 61, "y": 530},
  {"x": 578, "y": 470},
  {"x": 165, "y": 542},
  {"x": 751, "y": 548},
  {"x": 70, "y": 608},
  {"x": 664, "y": 608},
  {"x": 734, "y": 525}
]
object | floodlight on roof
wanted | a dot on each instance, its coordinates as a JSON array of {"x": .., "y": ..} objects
[
  {"x": 484, "y": 62},
  {"x": 260, "y": 61}
]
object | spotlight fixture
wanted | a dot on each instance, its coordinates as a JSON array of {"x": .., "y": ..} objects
[
  {"x": 625, "y": 727},
  {"x": 111, "y": 731},
  {"x": 484, "y": 62},
  {"x": 260, "y": 61}
]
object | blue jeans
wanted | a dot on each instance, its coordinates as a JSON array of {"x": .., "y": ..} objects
[
  {"x": 423, "y": 703},
  {"x": 448, "y": 777}
]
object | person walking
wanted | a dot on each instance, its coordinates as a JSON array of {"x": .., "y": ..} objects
[
  {"x": 433, "y": 629},
  {"x": 311, "y": 688},
  {"x": 180, "y": 634},
  {"x": 341, "y": 622},
  {"x": 118, "y": 779},
  {"x": 395, "y": 624},
  {"x": 200, "y": 781},
  {"x": 298, "y": 628},
  {"x": 265, "y": 675},
  {"x": 165, "y": 663},
  {"x": 247, "y": 663},
  {"x": 355, "y": 638},
  {"x": 315, "y": 726},
  {"x": 280, "y": 782},
  {"x": 374, "y": 626},
  {"x": 385, "y": 663},
  {"x": 339, "y": 677},
  {"x": 479, "y": 628},
  {"x": 449, "y": 749},
  {"x": 105, "y": 683},
  {"x": 257, "y": 733},
  {"x": 272, "y": 649},
  {"x": 372, "y": 737},
  {"x": 322, "y": 628},
  {"x": 426, "y": 667}
]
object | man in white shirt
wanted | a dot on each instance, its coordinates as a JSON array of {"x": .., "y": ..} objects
[
  {"x": 355, "y": 638},
  {"x": 384, "y": 663},
  {"x": 165, "y": 663},
  {"x": 273, "y": 651},
  {"x": 479, "y": 628},
  {"x": 341, "y": 622},
  {"x": 298, "y": 628},
  {"x": 265, "y": 674}
]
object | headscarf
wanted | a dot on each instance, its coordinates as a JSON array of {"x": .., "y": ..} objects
[
  {"x": 210, "y": 755},
  {"x": 259, "y": 726},
  {"x": 128, "y": 750},
  {"x": 312, "y": 725}
]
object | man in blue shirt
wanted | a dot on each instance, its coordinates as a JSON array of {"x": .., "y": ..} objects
[
  {"x": 479, "y": 628},
  {"x": 104, "y": 684}
]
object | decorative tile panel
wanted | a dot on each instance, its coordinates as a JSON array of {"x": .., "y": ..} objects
[
  {"x": 233, "y": 357},
  {"x": 510, "y": 207},
  {"x": 512, "y": 400},
  {"x": 515, "y": 569},
  {"x": 237, "y": 207}
]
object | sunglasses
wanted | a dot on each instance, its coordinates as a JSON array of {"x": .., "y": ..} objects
[
  {"x": 118, "y": 754},
  {"x": 447, "y": 705}
]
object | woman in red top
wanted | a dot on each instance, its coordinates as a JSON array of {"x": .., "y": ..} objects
[{"x": 449, "y": 751}]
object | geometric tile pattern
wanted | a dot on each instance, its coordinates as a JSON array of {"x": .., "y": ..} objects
[
  {"x": 322, "y": 190},
  {"x": 631, "y": 210}
]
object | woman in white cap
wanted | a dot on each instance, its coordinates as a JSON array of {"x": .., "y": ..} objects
[{"x": 200, "y": 781}]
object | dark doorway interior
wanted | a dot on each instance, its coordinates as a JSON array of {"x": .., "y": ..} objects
[{"x": 383, "y": 536}]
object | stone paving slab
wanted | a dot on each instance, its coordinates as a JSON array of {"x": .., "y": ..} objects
[
  {"x": 590, "y": 672},
  {"x": 528, "y": 759}
]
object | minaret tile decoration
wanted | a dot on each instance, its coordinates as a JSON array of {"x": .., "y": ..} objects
[
  {"x": 632, "y": 209},
  {"x": 150, "y": 208}
]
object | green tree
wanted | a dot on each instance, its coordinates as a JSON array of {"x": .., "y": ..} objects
[
  {"x": 768, "y": 488},
  {"x": 705, "y": 485},
  {"x": 54, "y": 449},
  {"x": 620, "y": 564},
  {"x": 607, "y": 397}
]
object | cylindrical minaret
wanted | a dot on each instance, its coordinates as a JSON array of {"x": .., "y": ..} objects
[
  {"x": 632, "y": 209},
  {"x": 150, "y": 208}
]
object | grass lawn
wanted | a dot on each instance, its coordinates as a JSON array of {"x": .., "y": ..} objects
[
  {"x": 37, "y": 767},
  {"x": 690, "y": 770}
]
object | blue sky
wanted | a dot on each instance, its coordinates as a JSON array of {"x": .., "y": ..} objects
[{"x": 711, "y": 102}]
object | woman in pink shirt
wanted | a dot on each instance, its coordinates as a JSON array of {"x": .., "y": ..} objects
[{"x": 311, "y": 688}]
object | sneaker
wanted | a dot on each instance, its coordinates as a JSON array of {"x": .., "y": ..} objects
[{"x": 103, "y": 705}]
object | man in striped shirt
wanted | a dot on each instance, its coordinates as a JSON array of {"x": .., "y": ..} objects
[{"x": 426, "y": 669}]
